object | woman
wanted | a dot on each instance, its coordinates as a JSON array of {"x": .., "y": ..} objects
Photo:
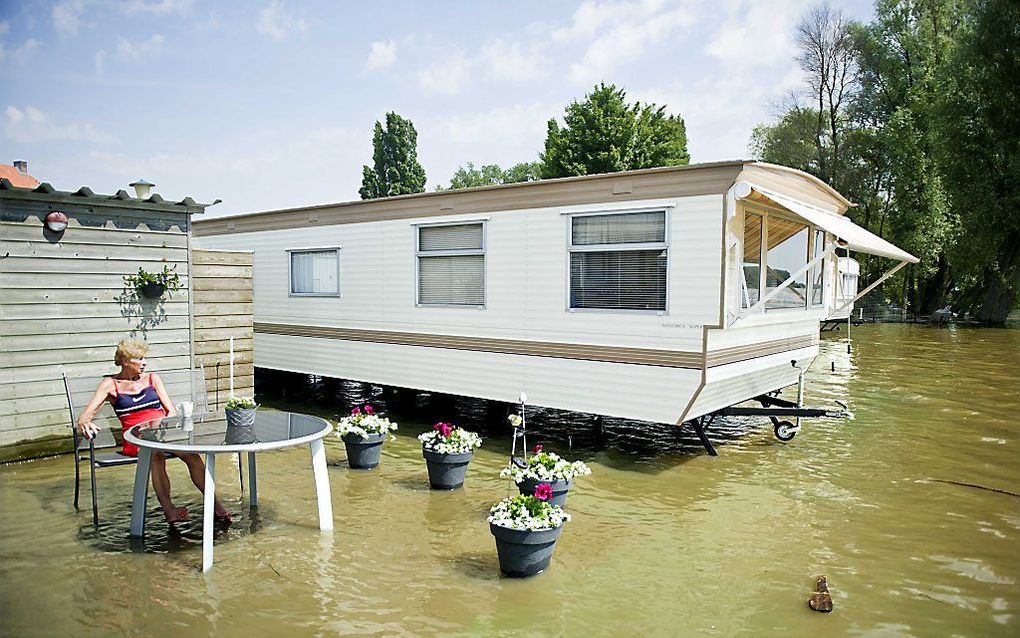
[{"x": 138, "y": 397}]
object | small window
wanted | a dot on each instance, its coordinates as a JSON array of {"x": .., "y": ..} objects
[
  {"x": 818, "y": 270},
  {"x": 315, "y": 272},
  {"x": 618, "y": 261},
  {"x": 752, "y": 259},
  {"x": 451, "y": 265}
]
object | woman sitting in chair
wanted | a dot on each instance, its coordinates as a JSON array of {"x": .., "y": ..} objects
[{"x": 138, "y": 397}]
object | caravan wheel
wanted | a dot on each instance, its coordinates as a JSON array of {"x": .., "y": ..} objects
[{"x": 785, "y": 431}]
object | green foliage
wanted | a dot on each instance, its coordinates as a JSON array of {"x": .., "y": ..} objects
[
  {"x": 166, "y": 278},
  {"x": 605, "y": 134},
  {"x": 241, "y": 403},
  {"x": 395, "y": 170},
  {"x": 469, "y": 176},
  {"x": 929, "y": 139}
]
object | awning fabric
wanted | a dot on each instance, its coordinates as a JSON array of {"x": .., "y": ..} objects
[{"x": 856, "y": 237}]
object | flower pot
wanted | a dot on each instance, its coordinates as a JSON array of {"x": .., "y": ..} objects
[
  {"x": 559, "y": 490},
  {"x": 446, "y": 471},
  {"x": 240, "y": 417},
  {"x": 363, "y": 453},
  {"x": 524, "y": 552},
  {"x": 153, "y": 291}
]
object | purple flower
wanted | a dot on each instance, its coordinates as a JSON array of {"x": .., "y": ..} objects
[
  {"x": 444, "y": 429},
  {"x": 543, "y": 491},
  {"x": 355, "y": 411},
  {"x": 369, "y": 409}
]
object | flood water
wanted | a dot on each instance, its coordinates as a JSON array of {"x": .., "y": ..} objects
[{"x": 665, "y": 539}]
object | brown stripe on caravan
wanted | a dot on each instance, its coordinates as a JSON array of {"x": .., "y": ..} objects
[
  {"x": 587, "y": 352},
  {"x": 652, "y": 183},
  {"x": 763, "y": 349},
  {"x": 639, "y": 356}
]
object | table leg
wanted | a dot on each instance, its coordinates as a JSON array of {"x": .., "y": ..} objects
[
  {"x": 253, "y": 482},
  {"x": 322, "y": 485},
  {"x": 141, "y": 492},
  {"x": 209, "y": 509}
]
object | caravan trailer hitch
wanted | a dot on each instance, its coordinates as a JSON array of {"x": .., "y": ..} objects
[{"x": 776, "y": 409}]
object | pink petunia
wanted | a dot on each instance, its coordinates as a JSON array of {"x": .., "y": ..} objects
[
  {"x": 543, "y": 491},
  {"x": 537, "y": 449},
  {"x": 355, "y": 411},
  {"x": 369, "y": 409}
]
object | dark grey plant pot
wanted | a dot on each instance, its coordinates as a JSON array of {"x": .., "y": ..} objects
[
  {"x": 559, "y": 489},
  {"x": 240, "y": 435},
  {"x": 363, "y": 453},
  {"x": 523, "y": 552},
  {"x": 240, "y": 417},
  {"x": 446, "y": 471},
  {"x": 153, "y": 291}
]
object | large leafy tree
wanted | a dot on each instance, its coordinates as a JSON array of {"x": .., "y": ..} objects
[
  {"x": 978, "y": 129},
  {"x": 603, "y": 133},
  {"x": 395, "y": 169},
  {"x": 470, "y": 176}
]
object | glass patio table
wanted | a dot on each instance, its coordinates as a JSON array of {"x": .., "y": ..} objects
[{"x": 211, "y": 436}]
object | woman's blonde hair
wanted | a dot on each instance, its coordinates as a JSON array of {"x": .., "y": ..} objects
[{"x": 130, "y": 349}]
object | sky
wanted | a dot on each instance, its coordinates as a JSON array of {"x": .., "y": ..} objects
[{"x": 270, "y": 104}]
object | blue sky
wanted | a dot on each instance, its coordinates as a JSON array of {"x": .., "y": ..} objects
[{"x": 269, "y": 104}]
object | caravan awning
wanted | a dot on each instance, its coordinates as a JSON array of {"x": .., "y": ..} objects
[{"x": 856, "y": 237}]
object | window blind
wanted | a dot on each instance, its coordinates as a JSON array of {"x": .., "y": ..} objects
[
  {"x": 314, "y": 272},
  {"x": 630, "y": 273},
  {"x": 451, "y": 265}
]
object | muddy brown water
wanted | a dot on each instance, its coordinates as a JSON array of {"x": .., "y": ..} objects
[{"x": 665, "y": 539}]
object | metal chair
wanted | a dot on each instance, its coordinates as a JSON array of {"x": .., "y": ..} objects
[{"x": 181, "y": 385}]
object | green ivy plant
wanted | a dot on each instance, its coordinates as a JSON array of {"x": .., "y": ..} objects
[{"x": 166, "y": 278}]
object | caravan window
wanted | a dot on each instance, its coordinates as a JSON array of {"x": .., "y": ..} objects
[
  {"x": 818, "y": 271},
  {"x": 752, "y": 259},
  {"x": 787, "y": 253},
  {"x": 315, "y": 272},
  {"x": 451, "y": 264},
  {"x": 618, "y": 261}
]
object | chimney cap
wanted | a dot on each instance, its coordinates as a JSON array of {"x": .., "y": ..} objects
[{"x": 141, "y": 182}]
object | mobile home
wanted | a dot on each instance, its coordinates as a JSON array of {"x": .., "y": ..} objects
[{"x": 661, "y": 295}]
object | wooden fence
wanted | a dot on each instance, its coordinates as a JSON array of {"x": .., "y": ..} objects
[{"x": 223, "y": 296}]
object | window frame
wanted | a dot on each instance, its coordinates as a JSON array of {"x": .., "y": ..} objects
[
  {"x": 601, "y": 248},
  {"x": 766, "y": 213},
  {"x": 418, "y": 254},
  {"x": 315, "y": 249}
]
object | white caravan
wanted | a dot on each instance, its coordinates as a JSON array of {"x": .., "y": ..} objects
[{"x": 663, "y": 295}]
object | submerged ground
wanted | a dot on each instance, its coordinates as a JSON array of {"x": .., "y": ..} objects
[{"x": 665, "y": 539}]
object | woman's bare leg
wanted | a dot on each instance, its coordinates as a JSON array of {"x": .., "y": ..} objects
[
  {"x": 196, "y": 468},
  {"x": 161, "y": 486}
]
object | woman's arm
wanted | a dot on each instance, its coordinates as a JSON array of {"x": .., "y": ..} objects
[
  {"x": 164, "y": 398},
  {"x": 85, "y": 424}
]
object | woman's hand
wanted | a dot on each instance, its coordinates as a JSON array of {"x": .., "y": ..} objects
[{"x": 88, "y": 429}]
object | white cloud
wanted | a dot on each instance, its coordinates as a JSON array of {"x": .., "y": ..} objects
[
  {"x": 502, "y": 125},
  {"x": 757, "y": 35},
  {"x": 100, "y": 61},
  {"x": 161, "y": 7},
  {"x": 628, "y": 40},
  {"x": 276, "y": 22},
  {"x": 382, "y": 55},
  {"x": 5, "y": 27},
  {"x": 67, "y": 16},
  {"x": 447, "y": 76},
  {"x": 512, "y": 61},
  {"x": 32, "y": 125},
  {"x": 137, "y": 51}
]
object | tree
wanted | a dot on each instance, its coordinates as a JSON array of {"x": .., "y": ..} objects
[
  {"x": 468, "y": 176},
  {"x": 395, "y": 169},
  {"x": 605, "y": 134},
  {"x": 978, "y": 131}
]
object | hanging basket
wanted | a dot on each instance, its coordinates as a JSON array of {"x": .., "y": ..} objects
[{"x": 153, "y": 291}]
